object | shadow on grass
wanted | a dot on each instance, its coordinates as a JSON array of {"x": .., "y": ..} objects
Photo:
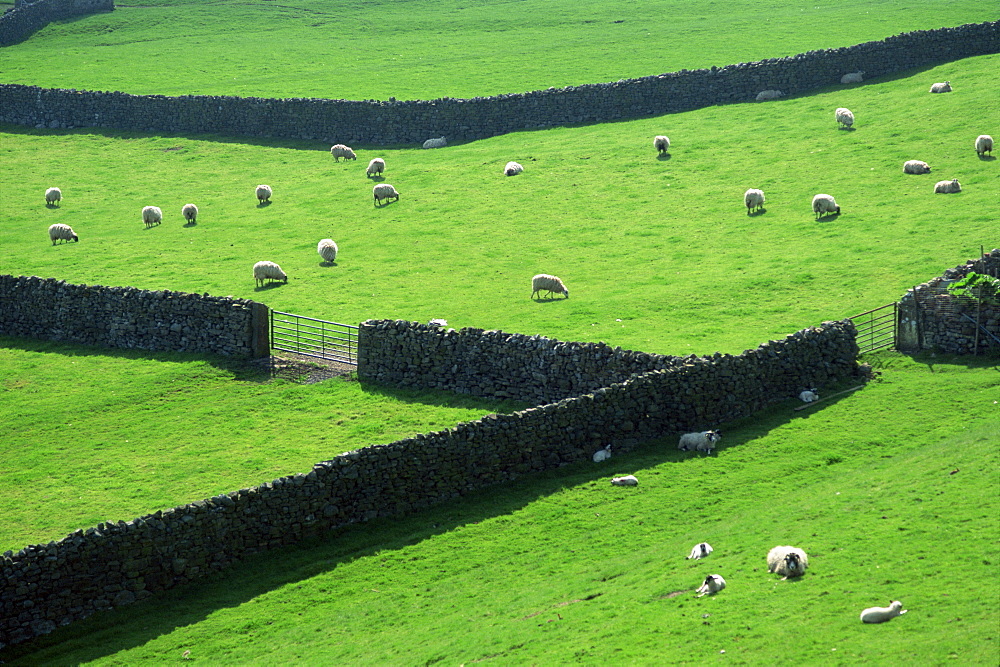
[
  {"x": 663, "y": 157},
  {"x": 754, "y": 214}
]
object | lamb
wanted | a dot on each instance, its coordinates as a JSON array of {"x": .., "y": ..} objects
[
  {"x": 61, "y": 232},
  {"x": 627, "y": 480},
  {"x": 809, "y": 395},
  {"x": 550, "y": 284},
  {"x": 54, "y": 195},
  {"x": 512, "y": 169},
  {"x": 268, "y": 271},
  {"x": 703, "y": 441},
  {"x": 883, "y": 614},
  {"x": 263, "y": 193},
  {"x": 375, "y": 167},
  {"x": 341, "y": 151},
  {"x": 190, "y": 213},
  {"x": 941, "y": 87},
  {"x": 916, "y": 167},
  {"x": 438, "y": 142},
  {"x": 788, "y": 561},
  {"x": 327, "y": 249},
  {"x": 713, "y": 584},
  {"x": 769, "y": 95},
  {"x": 384, "y": 191},
  {"x": 984, "y": 144},
  {"x": 151, "y": 215},
  {"x": 699, "y": 551},
  {"x": 844, "y": 116},
  {"x": 602, "y": 454},
  {"x": 947, "y": 187},
  {"x": 823, "y": 204},
  {"x": 754, "y": 199},
  {"x": 661, "y": 144},
  {"x": 853, "y": 77}
]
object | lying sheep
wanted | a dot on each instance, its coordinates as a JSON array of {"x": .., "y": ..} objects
[
  {"x": 375, "y": 167},
  {"x": 754, "y": 199},
  {"x": 627, "y": 480},
  {"x": 941, "y": 87},
  {"x": 341, "y": 151},
  {"x": 438, "y": 322},
  {"x": 769, "y": 95},
  {"x": 823, "y": 204},
  {"x": 61, "y": 232},
  {"x": 550, "y": 284},
  {"x": 151, "y": 215},
  {"x": 384, "y": 191},
  {"x": 438, "y": 142},
  {"x": 602, "y": 454},
  {"x": 54, "y": 195},
  {"x": 984, "y": 144},
  {"x": 700, "y": 550},
  {"x": 661, "y": 144},
  {"x": 263, "y": 193},
  {"x": 703, "y": 441},
  {"x": 713, "y": 584},
  {"x": 853, "y": 77},
  {"x": 844, "y": 116},
  {"x": 265, "y": 270},
  {"x": 512, "y": 169},
  {"x": 947, "y": 187},
  {"x": 808, "y": 396},
  {"x": 327, "y": 249},
  {"x": 916, "y": 167},
  {"x": 190, "y": 213},
  {"x": 883, "y": 614},
  {"x": 787, "y": 561}
]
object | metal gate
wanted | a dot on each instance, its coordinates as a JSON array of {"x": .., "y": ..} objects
[
  {"x": 876, "y": 328},
  {"x": 314, "y": 338}
]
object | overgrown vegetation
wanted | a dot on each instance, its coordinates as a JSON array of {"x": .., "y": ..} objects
[{"x": 978, "y": 286}]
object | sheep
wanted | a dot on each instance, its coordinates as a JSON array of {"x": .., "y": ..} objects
[
  {"x": 263, "y": 193},
  {"x": 809, "y": 395},
  {"x": 61, "y": 232},
  {"x": 823, "y": 204},
  {"x": 788, "y": 561},
  {"x": 384, "y": 191},
  {"x": 437, "y": 142},
  {"x": 151, "y": 215},
  {"x": 916, "y": 167},
  {"x": 844, "y": 116},
  {"x": 853, "y": 77},
  {"x": 699, "y": 551},
  {"x": 703, "y": 441},
  {"x": 754, "y": 199},
  {"x": 512, "y": 169},
  {"x": 941, "y": 87},
  {"x": 713, "y": 584},
  {"x": 375, "y": 167},
  {"x": 268, "y": 271},
  {"x": 661, "y": 144},
  {"x": 438, "y": 322},
  {"x": 883, "y": 614},
  {"x": 602, "y": 454},
  {"x": 550, "y": 284},
  {"x": 54, "y": 195},
  {"x": 984, "y": 144},
  {"x": 627, "y": 480},
  {"x": 947, "y": 187},
  {"x": 190, "y": 213},
  {"x": 327, "y": 249},
  {"x": 769, "y": 95},
  {"x": 341, "y": 151}
]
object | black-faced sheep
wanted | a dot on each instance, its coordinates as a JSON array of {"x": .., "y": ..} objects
[
  {"x": 263, "y": 193},
  {"x": 512, "y": 169},
  {"x": 713, "y": 584},
  {"x": 375, "y": 167},
  {"x": 787, "y": 561},
  {"x": 547, "y": 283},
  {"x": 844, "y": 116},
  {"x": 661, "y": 144},
  {"x": 700, "y": 550},
  {"x": 883, "y": 614},
  {"x": 263, "y": 271},
  {"x": 823, "y": 204},
  {"x": 384, "y": 191},
  {"x": 701, "y": 441},
  {"x": 61, "y": 232},
  {"x": 151, "y": 215},
  {"x": 54, "y": 195},
  {"x": 984, "y": 144},
  {"x": 754, "y": 199},
  {"x": 947, "y": 187},
  {"x": 327, "y": 249},
  {"x": 190, "y": 213}
]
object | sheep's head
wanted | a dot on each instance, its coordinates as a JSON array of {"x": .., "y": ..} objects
[
  {"x": 713, "y": 436},
  {"x": 793, "y": 562}
]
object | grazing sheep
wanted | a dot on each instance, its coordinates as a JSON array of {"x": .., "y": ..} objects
[
  {"x": 438, "y": 142},
  {"x": 700, "y": 550},
  {"x": 661, "y": 144},
  {"x": 916, "y": 167},
  {"x": 602, "y": 454},
  {"x": 327, "y": 249},
  {"x": 438, "y": 322},
  {"x": 550, "y": 284},
  {"x": 384, "y": 191},
  {"x": 263, "y": 193},
  {"x": 341, "y": 151},
  {"x": 375, "y": 167},
  {"x": 823, "y": 204},
  {"x": 844, "y": 116},
  {"x": 268, "y": 271},
  {"x": 947, "y": 187},
  {"x": 883, "y": 614},
  {"x": 769, "y": 95},
  {"x": 54, "y": 195},
  {"x": 713, "y": 584},
  {"x": 512, "y": 169},
  {"x": 984, "y": 144},
  {"x": 151, "y": 215},
  {"x": 788, "y": 561},
  {"x": 703, "y": 441},
  {"x": 754, "y": 199},
  {"x": 853, "y": 77},
  {"x": 190, "y": 213},
  {"x": 809, "y": 395},
  {"x": 61, "y": 232},
  {"x": 627, "y": 480},
  {"x": 941, "y": 87}
]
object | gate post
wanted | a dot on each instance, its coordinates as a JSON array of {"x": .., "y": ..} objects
[
  {"x": 260, "y": 330},
  {"x": 908, "y": 323}
]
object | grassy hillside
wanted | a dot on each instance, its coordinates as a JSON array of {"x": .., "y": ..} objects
[{"x": 421, "y": 49}]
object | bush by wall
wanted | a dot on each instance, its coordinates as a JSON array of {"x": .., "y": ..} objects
[{"x": 24, "y": 19}]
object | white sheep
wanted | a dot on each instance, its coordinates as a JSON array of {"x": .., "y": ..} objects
[
  {"x": 853, "y": 77},
  {"x": 54, "y": 195},
  {"x": 327, "y": 249},
  {"x": 437, "y": 142},
  {"x": 602, "y": 454},
  {"x": 788, "y": 561},
  {"x": 941, "y": 87},
  {"x": 769, "y": 95},
  {"x": 754, "y": 199},
  {"x": 375, "y": 167},
  {"x": 883, "y": 614},
  {"x": 341, "y": 151},
  {"x": 844, "y": 116},
  {"x": 823, "y": 204},
  {"x": 512, "y": 169},
  {"x": 713, "y": 584},
  {"x": 809, "y": 395},
  {"x": 268, "y": 271},
  {"x": 661, "y": 144},
  {"x": 702, "y": 441},
  {"x": 384, "y": 191},
  {"x": 984, "y": 144},
  {"x": 61, "y": 232},
  {"x": 700, "y": 550},
  {"x": 627, "y": 480},
  {"x": 438, "y": 322},
  {"x": 263, "y": 193},
  {"x": 550, "y": 284},
  {"x": 916, "y": 167},
  {"x": 190, "y": 213},
  {"x": 151, "y": 215},
  {"x": 947, "y": 187}
]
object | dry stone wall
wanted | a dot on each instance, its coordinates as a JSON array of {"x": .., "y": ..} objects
[{"x": 24, "y": 19}]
